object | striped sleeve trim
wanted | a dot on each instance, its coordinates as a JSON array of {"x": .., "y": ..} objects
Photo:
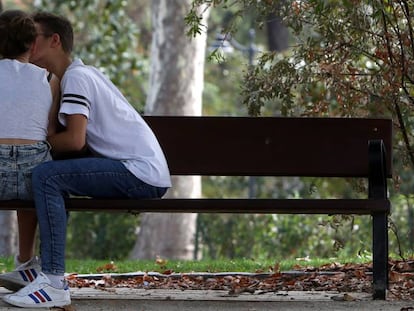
[{"x": 76, "y": 99}]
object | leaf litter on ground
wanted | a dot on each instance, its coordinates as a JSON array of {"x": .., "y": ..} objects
[{"x": 337, "y": 277}]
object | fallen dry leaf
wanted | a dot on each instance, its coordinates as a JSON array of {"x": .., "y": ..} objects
[
  {"x": 344, "y": 297},
  {"x": 109, "y": 267},
  {"x": 64, "y": 308},
  {"x": 396, "y": 277},
  {"x": 160, "y": 261}
]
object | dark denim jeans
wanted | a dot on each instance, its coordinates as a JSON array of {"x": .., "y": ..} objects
[{"x": 93, "y": 177}]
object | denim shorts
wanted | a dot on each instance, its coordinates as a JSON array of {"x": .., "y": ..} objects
[{"x": 16, "y": 164}]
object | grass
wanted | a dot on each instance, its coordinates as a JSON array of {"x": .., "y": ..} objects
[{"x": 88, "y": 266}]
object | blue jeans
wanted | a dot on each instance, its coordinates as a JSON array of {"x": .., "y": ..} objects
[
  {"x": 16, "y": 165},
  {"x": 93, "y": 177}
]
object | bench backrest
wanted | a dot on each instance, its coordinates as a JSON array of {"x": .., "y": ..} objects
[{"x": 270, "y": 146}]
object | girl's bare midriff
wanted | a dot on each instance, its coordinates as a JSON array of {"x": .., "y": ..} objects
[{"x": 17, "y": 141}]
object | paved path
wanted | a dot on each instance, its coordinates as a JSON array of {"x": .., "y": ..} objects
[{"x": 126, "y": 299}]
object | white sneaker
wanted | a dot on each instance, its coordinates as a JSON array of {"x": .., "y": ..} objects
[
  {"x": 39, "y": 294},
  {"x": 22, "y": 275}
]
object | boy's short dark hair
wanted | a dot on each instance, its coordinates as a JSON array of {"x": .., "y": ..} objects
[{"x": 52, "y": 23}]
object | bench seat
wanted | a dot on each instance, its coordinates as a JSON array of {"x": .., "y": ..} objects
[
  {"x": 276, "y": 147},
  {"x": 237, "y": 206}
]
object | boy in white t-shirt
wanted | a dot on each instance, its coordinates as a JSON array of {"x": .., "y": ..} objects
[{"x": 126, "y": 162}]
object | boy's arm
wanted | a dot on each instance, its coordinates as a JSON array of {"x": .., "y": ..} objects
[
  {"x": 72, "y": 138},
  {"x": 53, "y": 125}
]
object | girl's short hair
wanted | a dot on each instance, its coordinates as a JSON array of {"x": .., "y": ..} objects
[{"x": 17, "y": 33}]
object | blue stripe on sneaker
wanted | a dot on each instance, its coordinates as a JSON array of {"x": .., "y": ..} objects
[
  {"x": 34, "y": 272},
  {"x": 23, "y": 275},
  {"x": 34, "y": 298},
  {"x": 45, "y": 295}
]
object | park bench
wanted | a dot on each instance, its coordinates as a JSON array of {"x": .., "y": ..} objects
[{"x": 272, "y": 146}]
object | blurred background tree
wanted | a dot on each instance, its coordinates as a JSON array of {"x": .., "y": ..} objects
[{"x": 176, "y": 88}]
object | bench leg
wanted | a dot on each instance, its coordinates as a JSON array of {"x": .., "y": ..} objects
[{"x": 380, "y": 255}]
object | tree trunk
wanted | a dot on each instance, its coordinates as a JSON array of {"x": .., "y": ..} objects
[
  {"x": 8, "y": 233},
  {"x": 277, "y": 34},
  {"x": 176, "y": 84}
]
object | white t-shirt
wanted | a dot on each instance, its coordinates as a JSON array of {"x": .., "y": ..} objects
[
  {"x": 115, "y": 129},
  {"x": 26, "y": 99}
]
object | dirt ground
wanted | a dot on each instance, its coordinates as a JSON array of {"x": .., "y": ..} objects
[{"x": 127, "y": 299}]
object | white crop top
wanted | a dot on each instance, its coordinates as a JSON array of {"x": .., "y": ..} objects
[{"x": 25, "y": 100}]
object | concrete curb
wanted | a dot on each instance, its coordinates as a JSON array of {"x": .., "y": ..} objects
[{"x": 127, "y": 299}]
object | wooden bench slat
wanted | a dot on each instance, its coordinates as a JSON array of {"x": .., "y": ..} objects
[
  {"x": 269, "y": 146},
  {"x": 259, "y": 206},
  {"x": 267, "y": 206}
]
